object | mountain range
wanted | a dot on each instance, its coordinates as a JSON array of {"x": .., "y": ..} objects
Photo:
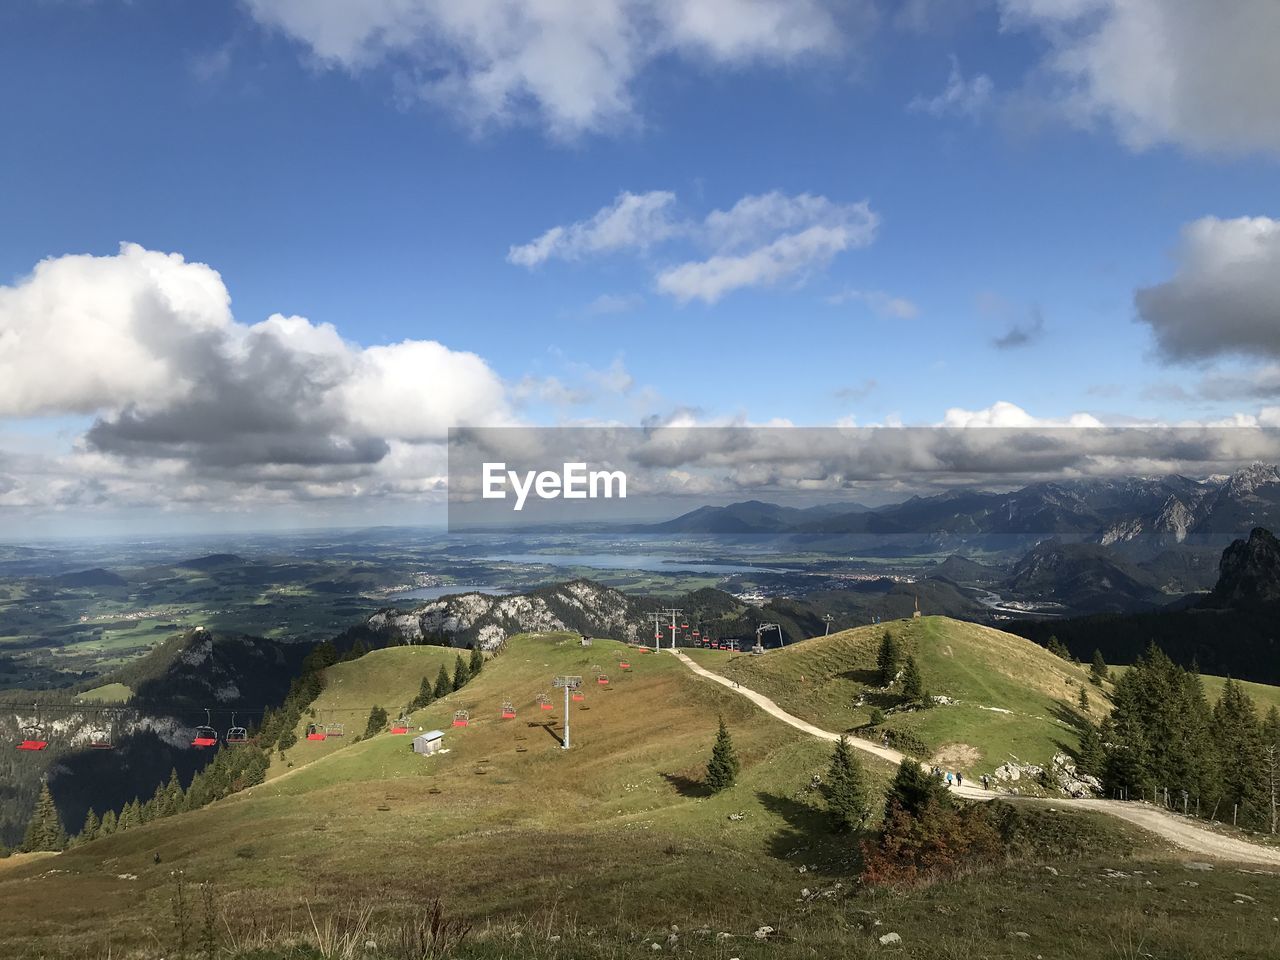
[{"x": 1149, "y": 511}]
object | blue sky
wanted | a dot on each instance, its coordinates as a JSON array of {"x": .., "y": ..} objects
[{"x": 357, "y": 170}]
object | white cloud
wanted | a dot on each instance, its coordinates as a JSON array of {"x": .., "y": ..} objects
[
  {"x": 612, "y": 303},
  {"x": 632, "y": 222},
  {"x": 880, "y": 303},
  {"x": 145, "y": 342},
  {"x": 762, "y": 240},
  {"x": 1202, "y": 75},
  {"x": 961, "y": 96},
  {"x": 574, "y": 63},
  {"x": 1005, "y": 414},
  {"x": 1224, "y": 297}
]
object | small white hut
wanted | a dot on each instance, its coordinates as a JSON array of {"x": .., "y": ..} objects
[{"x": 428, "y": 743}]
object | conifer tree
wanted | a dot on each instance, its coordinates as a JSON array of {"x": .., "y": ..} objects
[
  {"x": 174, "y": 794},
  {"x": 1083, "y": 700},
  {"x": 44, "y": 831},
  {"x": 1240, "y": 743},
  {"x": 846, "y": 789},
  {"x": 1091, "y": 758},
  {"x": 444, "y": 686},
  {"x": 108, "y": 825},
  {"x": 722, "y": 769},
  {"x": 912, "y": 789},
  {"x": 1058, "y": 648},
  {"x": 90, "y": 829},
  {"x": 1098, "y": 670},
  {"x": 460, "y": 673},
  {"x": 424, "y": 697},
  {"x": 912, "y": 682},
  {"x": 887, "y": 659},
  {"x": 377, "y": 721},
  {"x": 477, "y": 661}
]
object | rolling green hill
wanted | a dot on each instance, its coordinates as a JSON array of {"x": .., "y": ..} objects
[
  {"x": 1013, "y": 698},
  {"x": 598, "y": 851}
]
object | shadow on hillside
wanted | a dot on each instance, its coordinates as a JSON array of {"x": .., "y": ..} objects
[
  {"x": 802, "y": 840},
  {"x": 687, "y": 786},
  {"x": 868, "y": 678},
  {"x": 1068, "y": 716}
]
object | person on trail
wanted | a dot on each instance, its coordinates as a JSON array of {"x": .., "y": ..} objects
[
  {"x": 959, "y": 779},
  {"x": 986, "y": 782},
  {"x": 948, "y": 778}
]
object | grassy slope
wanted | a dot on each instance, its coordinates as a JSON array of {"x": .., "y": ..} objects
[
  {"x": 821, "y": 680},
  {"x": 389, "y": 678},
  {"x": 620, "y": 812},
  {"x": 603, "y": 845}
]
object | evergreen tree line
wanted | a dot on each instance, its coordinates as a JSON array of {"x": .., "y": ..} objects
[
  {"x": 1163, "y": 741},
  {"x": 429, "y": 691}
]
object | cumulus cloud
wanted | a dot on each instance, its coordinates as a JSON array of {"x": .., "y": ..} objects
[
  {"x": 761, "y": 241},
  {"x": 632, "y": 222},
  {"x": 145, "y": 343},
  {"x": 966, "y": 97},
  {"x": 1224, "y": 296},
  {"x": 574, "y": 63},
  {"x": 1199, "y": 75}
]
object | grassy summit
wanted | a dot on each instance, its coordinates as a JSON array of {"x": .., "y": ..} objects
[{"x": 1013, "y": 697}]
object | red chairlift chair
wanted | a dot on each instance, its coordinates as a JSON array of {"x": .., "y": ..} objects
[
  {"x": 508, "y": 710},
  {"x": 205, "y": 735},
  {"x": 461, "y": 718},
  {"x": 624, "y": 664},
  {"x": 33, "y": 738},
  {"x": 544, "y": 701},
  {"x": 100, "y": 739},
  {"x": 577, "y": 696},
  {"x": 316, "y": 732},
  {"x": 236, "y": 734},
  {"x": 400, "y": 726},
  {"x": 602, "y": 680},
  {"x": 336, "y": 729}
]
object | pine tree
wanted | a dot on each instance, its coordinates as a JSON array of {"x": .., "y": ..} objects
[
  {"x": 90, "y": 829},
  {"x": 912, "y": 790},
  {"x": 722, "y": 769},
  {"x": 460, "y": 674},
  {"x": 477, "y": 661},
  {"x": 912, "y": 682},
  {"x": 887, "y": 659},
  {"x": 1091, "y": 757},
  {"x": 377, "y": 721},
  {"x": 846, "y": 789},
  {"x": 1083, "y": 700},
  {"x": 1098, "y": 671},
  {"x": 44, "y": 831},
  {"x": 1058, "y": 648},
  {"x": 174, "y": 794},
  {"x": 1240, "y": 742},
  {"x": 424, "y": 697},
  {"x": 108, "y": 825},
  {"x": 444, "y": 686}
]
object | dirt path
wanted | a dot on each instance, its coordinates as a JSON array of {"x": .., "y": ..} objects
[{"x": 1181, "y": 831}]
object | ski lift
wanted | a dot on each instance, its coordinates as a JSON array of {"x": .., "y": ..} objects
[
  {"x": 602, "y": 680},
  {"x": 578, "y": 696},
  {"x": 624, "y": 664},
  {"x": 205, "y": 736},
  {"x": 236, "y": 734},
  {"x": 508, "y": 710},
  {"x": 316, "y": 731},
  {"x": 33, "y": 738},
  {"x": 100, "y": 739},
  {"x": 544, "y": 702},
  {"x": 684, "y": 626},
  {"x": 400, "y": 726},
  {"x": 461, "y": 718},
  {"x": 336, "y": 729}
]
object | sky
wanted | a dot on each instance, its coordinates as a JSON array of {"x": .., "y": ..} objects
[{"x": 257, "y": 257}]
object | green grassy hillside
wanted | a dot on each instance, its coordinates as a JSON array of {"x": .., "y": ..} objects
[
  {"x": 598, "y": 851},
  {"x": 1015, "y": 699},
  {"x": 389, "y": 678}
]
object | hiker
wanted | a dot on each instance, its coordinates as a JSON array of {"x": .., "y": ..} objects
[
  {"x": 986, "y": 782},
  {"x": 948, "y": 778},
  {"x": 959, "y": 779}
]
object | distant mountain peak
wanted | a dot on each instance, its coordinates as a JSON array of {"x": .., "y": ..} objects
[{"x": 1249, "y": 572}]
